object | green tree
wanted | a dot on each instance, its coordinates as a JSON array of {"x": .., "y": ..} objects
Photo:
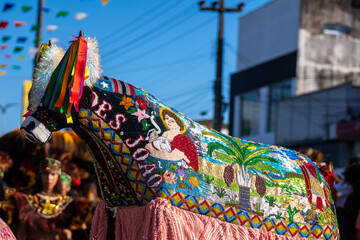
[{"x": 232, "y": 150}]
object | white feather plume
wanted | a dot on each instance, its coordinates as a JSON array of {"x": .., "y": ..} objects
[
  {"x": 93, "y": 61},
  {"x": 49, "y": 60}
]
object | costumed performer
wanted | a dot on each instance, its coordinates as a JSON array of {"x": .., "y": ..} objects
[{"x": 45, "y": 211}]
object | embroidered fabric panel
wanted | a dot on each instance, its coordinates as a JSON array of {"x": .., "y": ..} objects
[
  {"x": 233, "y": 215},
  {"x": 160, "y": 150},
  {"x": 48, "y": 208},
  {"x": 124, "y": 160}
]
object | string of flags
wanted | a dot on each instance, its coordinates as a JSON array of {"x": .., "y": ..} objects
[{"x": 7, "y": 42}]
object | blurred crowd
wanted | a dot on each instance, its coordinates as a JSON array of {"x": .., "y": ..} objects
[
  {"x": 47, "y": 191},
  {"x": 345, "y": 189}
]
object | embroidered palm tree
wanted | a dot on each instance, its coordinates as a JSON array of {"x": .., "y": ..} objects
[{"x": 232, "y": 150}]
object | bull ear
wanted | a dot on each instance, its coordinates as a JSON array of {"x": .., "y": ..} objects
[{"x": 86, "y": 98}]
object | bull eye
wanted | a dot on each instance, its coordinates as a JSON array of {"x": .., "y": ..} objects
[
  {"x": 86, "y": 98},
  {"x": 30, "y": 126}
]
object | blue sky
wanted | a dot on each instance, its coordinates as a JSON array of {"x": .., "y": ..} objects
[{"x": 166, "y": 47}]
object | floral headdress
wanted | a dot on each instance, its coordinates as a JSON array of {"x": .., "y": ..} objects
[{"x": 49, "y": 165}]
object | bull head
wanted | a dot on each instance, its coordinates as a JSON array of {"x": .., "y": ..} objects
[{"x": 58, "y": 87}]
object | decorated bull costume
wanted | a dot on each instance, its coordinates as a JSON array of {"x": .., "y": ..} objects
[{"x": 143, "y": 149}]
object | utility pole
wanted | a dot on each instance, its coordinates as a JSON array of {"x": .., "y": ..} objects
[
  {"x": 219, "y": 6},
  {"x": 39, "y": 28}
]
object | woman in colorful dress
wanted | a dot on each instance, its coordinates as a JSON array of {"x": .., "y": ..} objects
[
  {"x": 173, "y": 144},
  {"x": 45, "y": 211}
]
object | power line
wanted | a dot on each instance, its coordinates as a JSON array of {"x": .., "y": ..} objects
[
  {"x": 183, "y": 71},
  {"x": 200, "y": 56},
  {"x": 194, "y": 66},
  {"x": 193, "y": 88},
  {"x": 183, "y": 68},
  {"x": 139, "y": 18},
  {"x": 178, "y": 18},
  {"x": 160, "y": 46},
  {"x": 146, "y": 38},
  {"x": 189, "y": 98}
]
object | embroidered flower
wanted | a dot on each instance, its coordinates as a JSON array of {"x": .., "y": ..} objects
[
  {"x": 194, "y": 182},
  {"x": 173, "y": 167},
  {"x": 181, "y": 171},
  {"x": 169, "y": 177},
  {"x": 42, "y": 114},
  {"x": 51, "y": 125},
  {"x": 141, "y": 114},
  {"x": 142, "y": 104},
  {"x": 126, "y": 102}
]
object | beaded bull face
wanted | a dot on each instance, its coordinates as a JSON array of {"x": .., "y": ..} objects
[{"x": 144, "y": 149}]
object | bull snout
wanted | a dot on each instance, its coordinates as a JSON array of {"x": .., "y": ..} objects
[{"x": 35, "y": 131}]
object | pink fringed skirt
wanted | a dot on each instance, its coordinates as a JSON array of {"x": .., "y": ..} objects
[{"x": 160, "y": 220}]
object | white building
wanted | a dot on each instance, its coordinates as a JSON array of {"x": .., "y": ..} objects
[{"x": 289, "y": 48}]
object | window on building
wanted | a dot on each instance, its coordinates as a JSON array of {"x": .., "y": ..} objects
[
  {"x": 250, "y": 113},
  {"x": 336, "y": 29},
  {"x": 277, "y": 92}
]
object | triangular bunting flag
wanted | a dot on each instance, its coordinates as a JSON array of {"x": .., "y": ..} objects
[
  {"x": 36, "y": 40},
  {"x": 45, "y": 9},
  {"x": 104, "y": 2},
  {"x": 51, "y": 28},
  {"x": 21, "y": 39},
  {"x": 5, "y": 38},
  {"x": 18, "y": 49},
  {"x": 19, "y": 23},
  {"x": 7, "y": 56},
  {"x": 2, "y": 73},
  {"x": 21, "y": 58},
  {"x": 26, "y": 8},
  {"x": 5, "y": 46},
  {"x": 16, "y": 67},
  {"x": 62, "y": 14},
  {"x": 80, "y": 16},
  {"x": 33, "y": 51},
  {"x": 34, "y": 27},
  {"x": 3, "y": 24},
  {"x": 8, "y": 6},
  {"x": 3, "y": 65}
]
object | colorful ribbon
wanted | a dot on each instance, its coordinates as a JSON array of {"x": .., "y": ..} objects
[{"x": 67, "y": 81}]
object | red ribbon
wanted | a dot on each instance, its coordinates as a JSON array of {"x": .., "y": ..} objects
[{"x": 78, "y": 81}]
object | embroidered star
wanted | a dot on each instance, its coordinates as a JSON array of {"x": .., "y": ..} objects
[
  {"x": 126, "y": 101},
  {"x": 48, "y": 207},
  {"x": 104, "y": 84},
  {"x": 140, "y": 114}
]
